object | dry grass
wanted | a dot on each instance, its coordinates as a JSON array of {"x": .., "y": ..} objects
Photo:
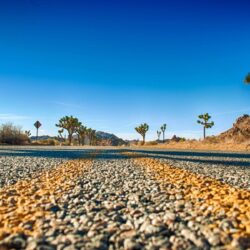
[{"x": 199, "y": 145}]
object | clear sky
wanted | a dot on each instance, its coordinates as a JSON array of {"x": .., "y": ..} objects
[{"x": 116, "y": 64}]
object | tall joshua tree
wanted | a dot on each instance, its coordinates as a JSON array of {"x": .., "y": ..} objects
[
  {"x": 93, "y": 137},
  {"x": 91, "y": 133},
  {"x": 81, "y": 133},
  {"x": 204, "y": 121},
  {"x": 247, "y": 79},
  {"x": 158, "y": 134},
  {"x": 142, "y": 130},
  {"x": 163, "y": 129},
  {"x": 70, "y": 124}
]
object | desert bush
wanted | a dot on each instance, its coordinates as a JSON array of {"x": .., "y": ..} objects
[
  {"x": 51, "y": 142},
  {"x": 211, "y": 139},
  {"x": 65, "y": 143},
  {"x": 151, "y": 143},
  {"x": 47, "y": 142},
  {"x": 140, "y": 143},
  {"x": 13, "y": 135},
  {"x": 178, "y": 139}
]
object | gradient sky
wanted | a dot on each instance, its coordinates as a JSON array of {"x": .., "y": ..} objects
[{"x": 116, "y": 64}]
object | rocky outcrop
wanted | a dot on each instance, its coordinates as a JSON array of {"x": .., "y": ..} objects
[{"x": 239, "y": 133}]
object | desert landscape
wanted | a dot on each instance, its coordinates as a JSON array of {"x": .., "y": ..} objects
[
  {"x": 82, "y": 193},
  {"x": 124, "y": 125}
]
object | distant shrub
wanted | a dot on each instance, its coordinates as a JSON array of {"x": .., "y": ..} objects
[
  {"x": 47, "y": 142},
  {"x": 51, "y": 142},
  {"x": 140, "y": 143},
  {"x": 211, "y": 139},
  {"x": 178, "y": 139},
  {"x": 151, "y": 143},
  {"x": 12, "y": 135},
  {"x": 65, "y": 143}
]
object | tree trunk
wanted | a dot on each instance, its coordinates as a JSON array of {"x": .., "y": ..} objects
[
  {"x": 163, "y": 136},
  {"x": 82, "y": 140},
  {"x": 143, "y": 139},
  {"x": 70, "y": 139},
  {"x": 204, "y": 132}
]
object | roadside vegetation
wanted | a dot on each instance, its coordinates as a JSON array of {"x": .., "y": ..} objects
[
  {"x": 74, "y": 127},
  {"x": 142, "y": 130},
  {"x": 204, "y": 121},
  {"x": 12, "y": 135},
  {"x": 163, "y": 129}
]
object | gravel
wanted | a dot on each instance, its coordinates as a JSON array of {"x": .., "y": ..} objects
[
  {"x": 13, "y": 169},
  {"x": 238, "y": 176},
  {"x": 230, "y": 168},
  {"x": 115, "y": 204}
]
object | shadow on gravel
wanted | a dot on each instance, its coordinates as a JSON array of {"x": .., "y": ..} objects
[
  {"x": 65, "y": 153},
  {"x": 236, "y": 159},
  {"x": 195, "y": 153}
]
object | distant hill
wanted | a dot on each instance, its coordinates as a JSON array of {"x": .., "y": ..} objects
[
  {"x": 43, "y": 137},
  {"x": 239, "y": 133},
  {"x": 105, "y": 139},
  {"x": 110, "y": 139}
]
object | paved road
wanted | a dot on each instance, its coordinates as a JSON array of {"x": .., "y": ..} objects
[{"x": 107, "y": 198}]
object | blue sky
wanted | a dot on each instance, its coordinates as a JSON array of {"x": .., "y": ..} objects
[{"x": 116, "y": 64}]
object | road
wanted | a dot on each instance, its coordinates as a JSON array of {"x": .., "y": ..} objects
[{"x": 125, "y": 198}]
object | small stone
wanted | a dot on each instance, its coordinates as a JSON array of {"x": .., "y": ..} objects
[
  {"x": 241, "y": 243},
  {"x": 214, "y": 240},
  {"x": 55, "y": 208},
  {"x": 192, "y": 237},
  {"x": 179, "y": 197},
  {"x": 169, "y": 216},
  {"x": 18, "y": 241},
  {"x": 131, "y": 245},
  {"x": 128, "y": 234}
]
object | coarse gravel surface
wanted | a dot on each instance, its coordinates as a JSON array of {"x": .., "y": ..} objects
[
  {"x": 233, "y": 169},
  {"x": 13, "y": 169},
  {"x": 119, "y": 201},
  {"x": 238, "y": 176}
]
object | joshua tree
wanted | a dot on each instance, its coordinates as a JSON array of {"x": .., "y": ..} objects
[
  {"x": 60, "y": 135},
  {"x": 92, "y": 136},
  {"x": 81, "y": 133},
  {"x": 204, "y": 121},
  {"x": 28, "y": 133},
  {"x": 158, "y": 134},
  {"x": 70, "y": 124},
  {"x": 247, "y": 79},
  {"x": 142, "y": 130},
  {"x": 163, "y": 129}
]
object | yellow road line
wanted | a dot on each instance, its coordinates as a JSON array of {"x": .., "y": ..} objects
[
  {"x": 206, "y": 192},
  {"x": 23, "y": 203}
]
